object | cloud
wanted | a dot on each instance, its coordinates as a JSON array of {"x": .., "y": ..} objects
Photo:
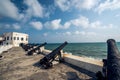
[
  {"x": 84, "y": 33},
  {"x": 45, "y": 34},
  {"x": 98, "y": 24},
  {"x": 35, "y": 9},
  {"x": 16, "y": 26},
  {"x": 56, "y": 24},
  {"x": 85, "y": 4},
  {"x": 117, "y": 15},
  {"x": 84, "y": 22},
  {"x": 108, "y": 5},
  {"x": 91, "y": 34},
  {"x": 63, "y": 4},
  {"x": 78, "y": 4},
  {"x": 7, "y": 26},
  {"x": 81, "y": 21},
  {"x": 80, "y": 33},
  {"x": 77, "y": 32},
  {"x": 12, "y": 26},
  {"x": 50, "y": 9},
  {"x": 66, "y": 25},
  {"x": 8, "y": 9},
  {"x": 83, "y": 36},
  {"x": 76, "y": 36},
  {"x": 68, "y": 33},
  {"x": 37, "y": 25}
]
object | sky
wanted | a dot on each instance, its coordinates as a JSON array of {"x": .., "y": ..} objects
[{"x": 56, "y": 21}]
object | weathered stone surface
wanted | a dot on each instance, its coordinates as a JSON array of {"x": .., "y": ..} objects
[{"x": 17, "y": 66}]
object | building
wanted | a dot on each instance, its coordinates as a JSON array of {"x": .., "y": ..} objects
[
  {"x": 1, "y": 40},
  {"x": 14, "y": 38}
]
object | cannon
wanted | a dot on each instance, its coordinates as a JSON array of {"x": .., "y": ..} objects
[
  {"x": 26, "y": 47},
  {"x": 35, "y": 49},
  {"x": 46, "y": 62},
  {"x": 31, "y": 46},
  {"x": 111, "y": 67}
]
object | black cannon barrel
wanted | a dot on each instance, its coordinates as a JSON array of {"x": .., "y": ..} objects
[
  {"x": 113, "y": 61},
  {"x": 29, "y": 46},
  {"x": 52, "y": 55},
  {"x": 55, "y": 51},
  {"x": 41, "y": 45},
  {"x": 24, "y": 46},
  {"x": 37, "y": 48}
]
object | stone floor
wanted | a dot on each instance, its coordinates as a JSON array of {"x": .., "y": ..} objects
[{"x": 16, "y": 65}]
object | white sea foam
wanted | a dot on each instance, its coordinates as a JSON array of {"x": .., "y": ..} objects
[
  {"x": 90, "y": 57},
  {"x": 67, "y": 53}
]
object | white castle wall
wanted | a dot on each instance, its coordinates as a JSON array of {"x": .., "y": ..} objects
[
  {"x": 5, "y": 48},
  {"x": 86, "y": 63}
]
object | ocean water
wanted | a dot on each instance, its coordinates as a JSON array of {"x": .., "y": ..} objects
[{"x": 92, "y": 50}]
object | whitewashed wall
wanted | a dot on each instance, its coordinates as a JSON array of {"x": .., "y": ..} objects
[
  {"x": 5, "y": 48},
  {"x": 15, "y": 38}
]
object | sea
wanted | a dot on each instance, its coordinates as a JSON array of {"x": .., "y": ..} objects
[{"x": 91, "y": 50}]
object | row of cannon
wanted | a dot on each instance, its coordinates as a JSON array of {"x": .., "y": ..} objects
[
  {"x": 46, "y": 61},
  {"x": 33, "y": 48},
  {"x": 111, "y": 67}
]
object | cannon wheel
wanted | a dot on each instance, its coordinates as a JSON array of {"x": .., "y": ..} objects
[{"x": 48, "y": 65}]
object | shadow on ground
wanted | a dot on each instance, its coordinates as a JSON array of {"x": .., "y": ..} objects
[
  {"x": 84, "y": 71},
  {"x": 72, "y": 76},
  {"x": 37, "y": 64}
]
